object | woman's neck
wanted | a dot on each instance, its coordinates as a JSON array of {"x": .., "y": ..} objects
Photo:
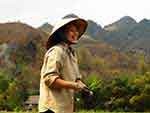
[{"x": 66, "y": 44}]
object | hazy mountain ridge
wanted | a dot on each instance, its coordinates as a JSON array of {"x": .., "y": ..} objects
[
  {"x": 128, "y": 35},
  {"x": 125, "y": 34},
  {"x": 46, "y": 27},
  {"x": 19, "y": 39},
  {"x": 31, "y": 41}
]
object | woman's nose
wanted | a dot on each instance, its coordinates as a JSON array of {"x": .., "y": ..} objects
[{"x": 77, "y": 33}]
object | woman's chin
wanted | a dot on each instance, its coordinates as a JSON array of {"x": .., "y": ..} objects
[{"x": 74, "y": 42}]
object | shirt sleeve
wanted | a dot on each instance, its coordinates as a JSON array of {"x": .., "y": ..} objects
[{"x": 52, "y": 66}]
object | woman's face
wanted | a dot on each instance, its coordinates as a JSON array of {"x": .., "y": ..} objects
[{"x": 72, "y": 33}]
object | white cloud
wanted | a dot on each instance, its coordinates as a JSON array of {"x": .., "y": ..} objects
[
  {"x": 36, "y": 12},
  {"x": 10, "y": 9}
]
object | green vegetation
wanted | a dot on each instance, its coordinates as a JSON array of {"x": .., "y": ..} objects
[
  {"x": 120, "y": 94},
  {"x": 77, "y": 112},
  {"x": 119, "y": 90}
]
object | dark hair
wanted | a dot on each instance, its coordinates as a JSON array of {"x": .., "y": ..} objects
[{"x": 57, "y": 37}]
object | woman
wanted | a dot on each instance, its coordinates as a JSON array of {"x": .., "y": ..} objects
[{"x": 60, "y": 76}]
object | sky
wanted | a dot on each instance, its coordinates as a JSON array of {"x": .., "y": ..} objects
[{"x": 104, "y": 12}]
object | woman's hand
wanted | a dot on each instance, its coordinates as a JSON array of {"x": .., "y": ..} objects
[{"x": 80, "y": 85}]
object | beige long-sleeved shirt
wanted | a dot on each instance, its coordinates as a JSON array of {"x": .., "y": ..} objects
[{"x": 59, "y": 61}]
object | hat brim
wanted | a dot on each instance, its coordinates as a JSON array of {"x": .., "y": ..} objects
[{"x": 80, "y": 24}]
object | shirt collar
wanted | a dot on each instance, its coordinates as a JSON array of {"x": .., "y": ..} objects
[{"x": 68, "y": 48}]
